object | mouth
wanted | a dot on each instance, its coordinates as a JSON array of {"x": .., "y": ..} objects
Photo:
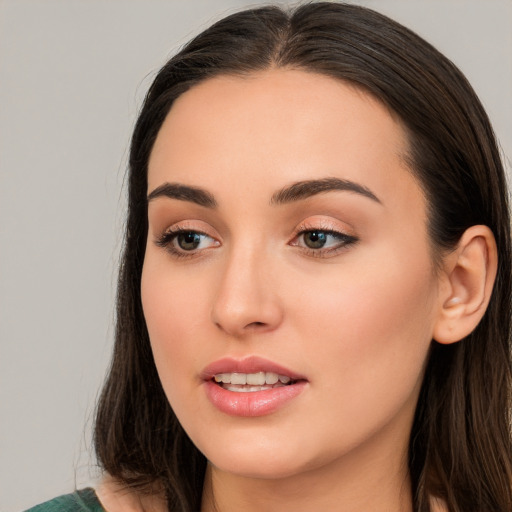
[
  {"x": 251, "y": 382},
  {"x": 251, "y": 387}
]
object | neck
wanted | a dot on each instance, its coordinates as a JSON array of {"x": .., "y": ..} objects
[{"x": 370, "y": 479}]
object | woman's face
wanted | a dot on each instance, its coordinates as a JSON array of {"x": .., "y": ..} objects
[{"x": 287, "y": 242}]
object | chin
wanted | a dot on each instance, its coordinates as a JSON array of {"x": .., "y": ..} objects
[
  {"x": 261, "y": 457},
  {"x": 261, "y": 469}
]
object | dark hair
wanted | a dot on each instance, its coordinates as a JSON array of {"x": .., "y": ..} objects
[{"x": 460, "y": 446}]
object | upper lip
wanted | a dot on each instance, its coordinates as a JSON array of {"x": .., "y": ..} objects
[{"x": 251, "y": 364}]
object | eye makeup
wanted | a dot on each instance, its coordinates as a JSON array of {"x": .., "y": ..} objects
[
  {"x": 320, "y": 239},
  {"x": 181, "y": 241},
  {"x": 317, "y": 239}
]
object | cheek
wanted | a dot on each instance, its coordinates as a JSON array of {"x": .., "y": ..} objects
[
  {"x": 174, "y": 310},
  {"x": 371, "y": 332}
]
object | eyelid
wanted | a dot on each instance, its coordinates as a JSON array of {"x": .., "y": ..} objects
[
  {"x": 172, "y": 232},
  {"x": 322, "y": 223},
  {"x": 166, "y": 238},
  {"x": 346, "y": 236},
  {"x": 196, "y": 225}
]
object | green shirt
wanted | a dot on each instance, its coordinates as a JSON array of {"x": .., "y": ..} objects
[{"x": 79, "y": 501}]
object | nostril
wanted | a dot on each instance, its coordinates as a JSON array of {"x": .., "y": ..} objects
[{"x": 256, "y": 324}]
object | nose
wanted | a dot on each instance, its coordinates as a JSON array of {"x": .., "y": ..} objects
[{"x": 247, "y": 298}]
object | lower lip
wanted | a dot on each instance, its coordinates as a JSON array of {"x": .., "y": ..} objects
[{"x": 253, "y": 403}]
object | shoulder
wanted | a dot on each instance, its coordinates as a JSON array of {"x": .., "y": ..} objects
[
  {"x": 78, "y": 501},
  {"x": 117, "y": 497}
]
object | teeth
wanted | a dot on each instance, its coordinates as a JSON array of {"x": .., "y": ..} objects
[
  {"x": 255, "y": 379},
  {"x": 238, "y": 378},
  {"x": 272, "y": 378},
  {"x": 251, "y": 379}
]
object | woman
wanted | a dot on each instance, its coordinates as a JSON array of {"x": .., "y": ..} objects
[{"x": 314, "y": 300}]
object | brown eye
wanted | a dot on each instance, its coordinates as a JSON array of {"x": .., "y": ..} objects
[
  {"x": 185, "y": 242},
  {"x": 323, "y": 242},
  {"x": 188, "y": 240},
  {"x": 315, "y": 239}
]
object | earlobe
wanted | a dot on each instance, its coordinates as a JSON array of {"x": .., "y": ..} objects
[{"x": 468, "y": 279}]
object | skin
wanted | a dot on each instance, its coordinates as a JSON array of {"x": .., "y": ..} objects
[{"x": 357, "y": 321}]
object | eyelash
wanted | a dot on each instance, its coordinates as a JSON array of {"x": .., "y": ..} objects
[
  {"x": 344, "y": 241},
  {"x": 167, "y": 239}
]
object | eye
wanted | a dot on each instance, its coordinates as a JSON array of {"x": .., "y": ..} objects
[
  {"x": 189, "y": 240},
  {"x": 317, "y": 239},
  {"x": 185, "y": 242},
  {"x": 323, "y": 242}
]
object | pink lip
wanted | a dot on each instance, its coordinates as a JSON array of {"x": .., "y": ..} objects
[{"x": 251, "y": 404}]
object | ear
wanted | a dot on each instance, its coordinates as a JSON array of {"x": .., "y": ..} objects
[{"x": 467, "y": 279}]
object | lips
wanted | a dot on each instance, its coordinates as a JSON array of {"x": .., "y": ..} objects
[{"x": 250, "y": 387}]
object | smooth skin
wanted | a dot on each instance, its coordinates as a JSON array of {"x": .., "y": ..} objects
[{"x": 356, "y": 317}]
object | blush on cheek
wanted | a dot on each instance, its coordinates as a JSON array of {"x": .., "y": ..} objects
[
  {"x": 372, "y": 326},
  {"x": 171, "y": 318}
]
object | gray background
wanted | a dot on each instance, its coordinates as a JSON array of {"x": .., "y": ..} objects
[{"x": 72, "y": 76}]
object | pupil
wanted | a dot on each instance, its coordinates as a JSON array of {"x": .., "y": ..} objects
[
  {"x": 315, "y": 239},
  {"x": 189, "y": 241}
]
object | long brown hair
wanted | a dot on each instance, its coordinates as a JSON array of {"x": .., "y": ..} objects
[{"x": 460, "y": 445}]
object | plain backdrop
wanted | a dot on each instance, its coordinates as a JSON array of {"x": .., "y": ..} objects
[{"x": 72, "y": 77}]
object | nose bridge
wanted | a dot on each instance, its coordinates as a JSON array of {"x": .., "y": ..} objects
[{"x": 246, "y": 297}]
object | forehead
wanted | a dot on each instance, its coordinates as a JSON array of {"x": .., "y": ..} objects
[{"x": 279, "y": 126}]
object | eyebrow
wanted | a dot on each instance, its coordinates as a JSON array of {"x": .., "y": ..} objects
[
  {"x": 294, "y": 192},
  {"x": 308, "y": 188},
  {"x": 184, "y": 193}
]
